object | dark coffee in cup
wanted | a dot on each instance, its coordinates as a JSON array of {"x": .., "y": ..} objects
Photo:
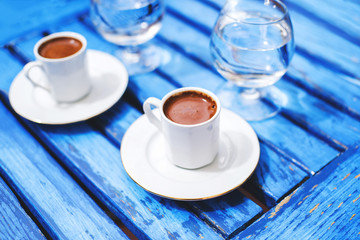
[
  {"x": 60, "y": 47},
  {"x": 189, "y": 107}
]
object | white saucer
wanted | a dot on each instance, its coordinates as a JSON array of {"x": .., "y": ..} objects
[
  {"x": 109, "y": 81},
  {"x": 143, "y": 157}
]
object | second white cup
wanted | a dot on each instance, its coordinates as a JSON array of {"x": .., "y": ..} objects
[
  {"x": 62, "y": 57},
  {"x": 190, "y": 122}
]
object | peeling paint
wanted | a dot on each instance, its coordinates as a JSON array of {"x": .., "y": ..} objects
[
  {"x": 356, "y": 199},
  {"x": 357, "y": 176},
  {"x": 340, "y": 204},
  {"x": 346, "y": 177},
  {"x": 331, "y": 225},
  {"x": 282, "y": 203},
  {"x": 352, "y": 217},
  {"x": 314, "y": 208}
]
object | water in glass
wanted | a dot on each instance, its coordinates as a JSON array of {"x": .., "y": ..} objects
[
  {"x": 127, "y": 22},
  {"x": 251, "y": 55}
]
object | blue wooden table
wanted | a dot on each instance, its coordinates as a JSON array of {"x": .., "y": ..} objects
[{"x": 68, "y": 182}]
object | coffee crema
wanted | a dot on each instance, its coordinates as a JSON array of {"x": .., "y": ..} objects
[
  {"x": 189, "y": 107},
  {"x": 60, "y": 47}
]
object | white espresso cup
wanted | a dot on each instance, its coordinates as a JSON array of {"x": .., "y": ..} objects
[
  {"x": 62, "y": 57},
  {"x": 188, "y": 145}
]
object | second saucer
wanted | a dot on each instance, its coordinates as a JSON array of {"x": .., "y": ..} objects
[
  {"x": 109, "y": 80},
  {"x": 144, "y": 159}
]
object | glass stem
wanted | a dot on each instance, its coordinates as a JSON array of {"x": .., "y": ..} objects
[
  {"x": 132, "y": 53},
  {"x": 250, "y": 93}
]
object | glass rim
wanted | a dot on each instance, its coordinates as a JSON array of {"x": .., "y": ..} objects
[{"x": 284, "y": 10}]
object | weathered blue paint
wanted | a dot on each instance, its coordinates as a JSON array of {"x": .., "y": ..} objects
[
  {"x": 325, "y": 207},
  {"x": 320, "y": 122},
  {"x": 9, "y": 68},
  {"x": 63, "y": 209},
  {"x": 15, "y": 223},
  {"x": 26, "y": 16}
]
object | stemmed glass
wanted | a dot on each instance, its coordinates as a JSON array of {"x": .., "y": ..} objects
[
  {"x": 131, "y": 24},
  {"x": 252, "y": 44}
]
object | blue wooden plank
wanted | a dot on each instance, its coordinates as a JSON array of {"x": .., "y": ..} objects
[
  {"x": 320, "y": 117},
  {"x": 274, "y": 177},
  {"x": 114, "y": 123},
  {"x": 325, "y": 207},
  {"x": 189, "y": 9},
  {"x": 193, "y": 41},
  {"x": 320, "y": 41},
  {"x": 335, "y": 51},
  {"x": 292, "y": 140},
  {"x": 149, "y": 86},
  {"x": 179, "y": 63},
  {"x": 116, "y": 190},
  {"x": 14, "y": 222},
  {"x": 170, "y": 73},
  {"x": 276, "y": 129},
  {"x": 326, "y": 84},
  {"x": 293, "y": 105},
  {"x": 229, "y": 214},
  {"x": 27, "y": 42},
  {"x": 63, "y": 209},
  {"x": 96, "y": 163},
  {"x": 9, "y": 68},
  {"x": 329, "y": 57},
  {"x": 20, "y": 17},
  {"x": 339, "y": 16},
  {"x": 217, "y": 212},
  {"x": 191, "y": 78},
  {"x": 116, "y": 120},
  {"x": 197, "y": 13},
  {"x": 349, "y": 82}
]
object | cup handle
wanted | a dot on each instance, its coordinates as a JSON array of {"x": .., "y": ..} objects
[
  {"x": 149, "y": 113},
  {"x": 27, "y": 69}
]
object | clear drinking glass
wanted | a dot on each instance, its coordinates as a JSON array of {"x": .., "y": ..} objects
[
  {"x": 130, "y": 24},
  {"x": 252, "y": 44}
]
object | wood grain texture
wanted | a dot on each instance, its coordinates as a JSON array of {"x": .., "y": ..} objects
[
  {"x": 63, "y": 209},
  {"x": 324, "y": 83},
  {"x": 315, "y": 36},
  {"x": 219, "y": 212},
  {"x": 100, "y": 169},
  {"x": 274, "y": 177},
  {"x": 325, "y": 207},
  {"x": 320, "y": 117},
  {"x": 346, "y": 13},
  {"x": 149, "y": 86},
  {"x": 8, "y": 69},
  {"x": 317, "y": 125},
  {"x": 97, "y": 164},
  {"x": 14, "y": 221},
  {"x": 299, "y": 114},
  {"x": 34, "y": 16},
  {"x": 284, "y": 142}
]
